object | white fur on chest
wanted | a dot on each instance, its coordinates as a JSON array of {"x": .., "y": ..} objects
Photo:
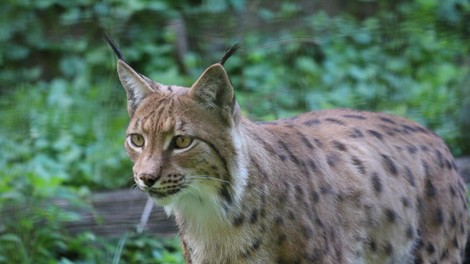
[{"x": 206, "y": 227}]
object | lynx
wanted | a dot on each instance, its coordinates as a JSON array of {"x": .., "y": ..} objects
[{"x": 333, "y": 186}]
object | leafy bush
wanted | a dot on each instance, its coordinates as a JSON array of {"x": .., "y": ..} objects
[
  {"x": 50, "y": 141},
  {"x": 141, "y": 248}
]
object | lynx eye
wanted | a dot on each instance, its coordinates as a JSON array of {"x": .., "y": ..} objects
[
  {"x": 137, "y": 140},
  {"x": 182, "y": 142}
]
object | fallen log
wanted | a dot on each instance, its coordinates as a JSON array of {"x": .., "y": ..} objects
[{"x": 114, "y": 213}]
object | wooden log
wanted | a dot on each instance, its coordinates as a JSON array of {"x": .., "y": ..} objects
[{"x": 117, "y": 212}]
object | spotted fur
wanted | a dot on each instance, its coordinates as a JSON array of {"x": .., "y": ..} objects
[{"x": 335, "y": 186}]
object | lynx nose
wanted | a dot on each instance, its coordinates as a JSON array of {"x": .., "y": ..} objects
[{"x": 148, "y": 179}]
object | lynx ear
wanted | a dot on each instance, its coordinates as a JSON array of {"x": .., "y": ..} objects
[
  {"x": 214, "y": 90},
  {"x": 137, "y": 88}
]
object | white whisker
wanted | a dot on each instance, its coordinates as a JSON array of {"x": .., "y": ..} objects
[{"x": 134, "y": 187}]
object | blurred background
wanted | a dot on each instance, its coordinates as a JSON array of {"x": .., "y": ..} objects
[{"x": 63, "y": 112}]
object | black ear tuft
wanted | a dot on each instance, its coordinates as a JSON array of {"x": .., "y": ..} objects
[
  {"x": 113, "y": 45},
  {"x": 229, "y": 53}
]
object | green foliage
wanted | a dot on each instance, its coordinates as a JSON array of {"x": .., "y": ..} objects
[
  {"x": 51, "y": 146},
  {"x": 141, "y": 248},
  {"x": 63, "y": 114},
  {"x": 31, "y": 227}
]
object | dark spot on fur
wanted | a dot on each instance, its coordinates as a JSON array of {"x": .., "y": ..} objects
[
  {"x": 409, "y": 232},
  {"x": 405, "y": 202},
  {"x": 375, "y": 134},
  {"x": 315, "y": 196},
  {"x": 253, "y": 216},
  {"x": 424, "y": 148},
  {"x": 291, "y": 155},
  {"x": 427, "y": 169},
  {"x": 312, "y": 165},
  {"x": 409, "y": 176},
  {"x": 439, "y": 217},
  {"x": 335, "y": 121},
  {"x": 258, "y": 167},
  {"x": 332, "y": 160},
  {"x": 388, "y": 130},
  {"x": 356, "y": 133},
  {"x": 238, "y": 220},
  {"x": 319, "y": 223},
  {"x": 419, "y": 203},
  {"x": 407, "y": 129},
  {"x": 359, "y": 117},
  {"x": 440, "y": 159},
  {"x": 453, "y": 221},
  {"x": 411, "y": 149},
  {"x": 299, "y": 193},
  {"x": 312, "y": 122},
  {"x": 391, "y": 167},
  {"x": 430, "y": 189},
  {"x": 430, "y": 249},
  {"x": 339, "y": 146},
  {"x": 391, "y": 215},
  {"x": 455, "y": 242},
  {"x": 452, "y": 191},
  {"x": 225, "y": 194},
  {"x": 449, "y": 165},
  {"x": 359, "y": 165},
  {"x": 318, "y": 142},
  {"x": 376, "y": 182},
  {"x": 265, "y": 144},
  {"x": 454, "y": 166},
  {"x": 305, "y": 140},
  {"x": 253, "y": 248},
  {"x": 256, "y": 245},
  {"x": 291, "y": 215},
  {"x": 373, "y": 245},
  {"x": 388, "y": 248},
  {"x": 326, "y": 189},
  {"x": 445, "y": 254},
  {"x": 418, "y": 260},
  {"x": 419, "y": 243},
  {"x": 387, "y": 120}
]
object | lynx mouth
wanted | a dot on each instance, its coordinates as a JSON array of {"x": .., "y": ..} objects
[{"x": 163, "y": 192}]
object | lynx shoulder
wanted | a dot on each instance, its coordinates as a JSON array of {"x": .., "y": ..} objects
[{"x": 335, "y": 186}]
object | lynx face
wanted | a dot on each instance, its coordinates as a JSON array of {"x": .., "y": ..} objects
[
  {"x": 171, "y": 140},
  {"x": 335, "y": 186},
  {"x": 175, "y": 156}
]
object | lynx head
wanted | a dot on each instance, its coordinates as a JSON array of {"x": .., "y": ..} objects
[{"x": 184, "y": 142}]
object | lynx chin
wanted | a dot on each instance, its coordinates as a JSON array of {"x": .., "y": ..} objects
[{"x": 333, "y": 186}]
